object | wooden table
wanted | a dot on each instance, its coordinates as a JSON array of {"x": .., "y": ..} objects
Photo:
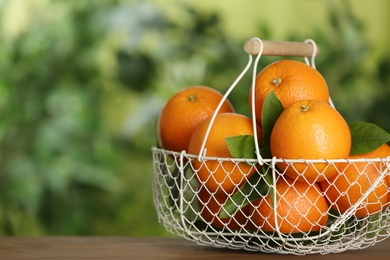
[{"x": 149, "y": 248}]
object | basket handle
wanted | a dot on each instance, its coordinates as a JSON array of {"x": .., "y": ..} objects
[{"x": 281, "y": 48}]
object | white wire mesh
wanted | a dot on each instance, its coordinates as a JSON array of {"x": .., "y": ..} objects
[{"x": 186, "y": 207}]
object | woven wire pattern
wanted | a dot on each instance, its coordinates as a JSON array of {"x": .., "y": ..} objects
[{"x": 183, "y": 212}]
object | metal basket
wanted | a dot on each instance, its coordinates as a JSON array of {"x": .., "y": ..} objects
[{"x": 184, "y": 211}]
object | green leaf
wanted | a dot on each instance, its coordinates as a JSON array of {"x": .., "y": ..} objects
[
  {"x": 171, "y": 173},
  {"x": 241, "y": 146},
  {"x": 377, "y": 225},
  {"x": 256, "y": 186},
  {"x": 269, "y": 182},
  {"x": 170, "y": 176},
  {"x": 366, "y": 137},
  {"x": 155, "y": 131},
  {"x": 272, "y": 108},
  {"x": 265, "y": 152},
  {"x": 240, "y": 197}
]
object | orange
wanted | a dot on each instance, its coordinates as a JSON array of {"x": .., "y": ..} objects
[
  {"x": 310, "y": 129},
  {"x": 184, "y": 111},
  {"x": 221, "y": 175},
  {"x": 347, "y": 188},
  {"x": 210, "y": 206},
  {"x": 291, "y": 81},
  {"x": 299, "y": 207}
]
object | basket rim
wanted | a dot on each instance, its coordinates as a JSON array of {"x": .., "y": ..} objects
[{"x": 271, "y": 160}]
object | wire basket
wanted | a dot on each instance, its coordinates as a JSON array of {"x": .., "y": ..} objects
[{"x": 234, "y": 219}]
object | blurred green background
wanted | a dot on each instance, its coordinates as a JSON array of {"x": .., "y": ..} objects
[{"x": 81, "y": 83}]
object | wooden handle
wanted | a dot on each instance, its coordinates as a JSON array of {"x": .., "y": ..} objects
[{"x": 275, "y": 48}]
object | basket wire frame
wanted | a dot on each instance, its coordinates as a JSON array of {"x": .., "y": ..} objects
[{"x": 182, "y": 210}]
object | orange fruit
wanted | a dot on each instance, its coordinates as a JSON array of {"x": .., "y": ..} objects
[
  {"x": 210, "y": 206},
  {"x": 345, "y": 189},
  {"x": 291, "y": 81},
  {"x": 310, "y": 129},
  {"x": 217, "y": 175},
  {"x": 184, "y": 111},
  {"x": 299, "y": 207}
]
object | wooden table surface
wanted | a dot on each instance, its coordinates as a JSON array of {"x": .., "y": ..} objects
[{"x": 150, "y": 248}]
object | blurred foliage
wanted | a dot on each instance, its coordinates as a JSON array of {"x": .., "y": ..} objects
[
  {"x": 360, "y": 92},
  {"x": 79, "y": 92}
]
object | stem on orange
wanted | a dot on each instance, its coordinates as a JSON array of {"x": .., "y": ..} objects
[
  {"x": 304, "y": 108},
  {"x": 191, "y": 98},
  {"x": 277, "y": 81}
]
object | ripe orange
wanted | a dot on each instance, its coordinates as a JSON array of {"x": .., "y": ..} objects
[
  {"x": 184, "y": 111},
  {"x": 210, "y": 206},
  {"x": 291, "y": 81},
  {"x": 346, "y": 188},
  {"x": 310, "y": 129},
  {"x": 218, "y": 175},
  {"x": 300, "y": 207}
]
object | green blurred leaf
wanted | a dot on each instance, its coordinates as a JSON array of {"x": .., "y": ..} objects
[
  {"x": 272, "y": 108},
  {"x": 367, "y": 137},
  {"x": 241, "y": 146},
  {"x": 256, "y": 187},
  {"x": 265, "y": 152}
]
